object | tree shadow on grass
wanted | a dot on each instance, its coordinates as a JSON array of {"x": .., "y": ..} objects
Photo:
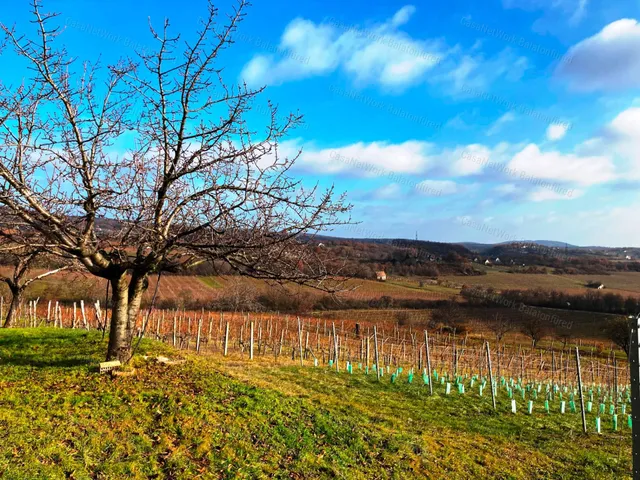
[{"x": 52, "y": 348}]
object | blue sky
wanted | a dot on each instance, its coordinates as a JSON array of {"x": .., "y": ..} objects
[{"x": 461, "y": 121}]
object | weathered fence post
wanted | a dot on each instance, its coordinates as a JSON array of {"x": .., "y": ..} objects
[
  {"x": 634, "y": 370},
  {"x": 226, "y": 339},
  {"x": 251, "y": 343},
  {"x": 300, "y": 341},
  {"x": 375, "y": 346},
  {"x": 584, "y": 418},
  {"x": 84, "y": 316},
  {"x": 428, "y": 354},
  {"x": 198, "y": 335},
  {"x": 493, "y": 393}
]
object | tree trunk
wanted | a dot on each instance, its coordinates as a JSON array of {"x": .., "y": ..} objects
[
  {"x": 13, "y": 307},
  {"x": 126, "y": 297}
]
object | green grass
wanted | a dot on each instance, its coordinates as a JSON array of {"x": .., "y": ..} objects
[
  {"x": 210, "y": 282},
  {"x": 213, "y": 419}
]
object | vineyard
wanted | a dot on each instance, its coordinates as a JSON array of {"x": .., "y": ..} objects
[{"x": 544, "y": 375}]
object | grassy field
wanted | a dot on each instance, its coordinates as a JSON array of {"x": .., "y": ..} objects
[
  {"x": 209, "y": 419},
  {"x": 624, "y": 283}
]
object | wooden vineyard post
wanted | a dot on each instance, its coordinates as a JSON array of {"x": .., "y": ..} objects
[
  {"x": 368, "y": 349},
  {"x": 584, "y": 418},
  {"x": 251, "y": 342},
  {"x": 198, "y": 335},
  {"x": 634, "y": 371},
  {"x": 426, "y": 345},
  {"x": 175, "y": 324},
  {"x": 615, "y": 381},
  {"x": 335, "y": 346},
  {"x": 226, "y": 339},
  {"x": 300, "y": 342},
  {"x": 84, "y": 316},
  {"x": 375, "y": 347},
  {"x": 493, "y": 393}
]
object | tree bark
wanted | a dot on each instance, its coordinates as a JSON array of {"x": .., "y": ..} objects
[
  {"x": 126, "y": 297},
  {"x": 13, "y": 307}
]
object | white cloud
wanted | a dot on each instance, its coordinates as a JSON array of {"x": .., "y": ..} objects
[
  {"x": 506, "y": 189},
  {"x": 387, "y": 192},
  {"x": 381, "y": 55},
  {"x": 361, "y": 159},
  {"x": 559, "y": 167},
  {"x": 556, "y": 131},
  {"x": 501, "y": 122},
  {"x": 469, "y": 73},
  {"x": 622, "y": 138},
  {"x": 437, "y": 188},
  {"x": 544, "y": 194},
  {"x": 609, "y": 60}
]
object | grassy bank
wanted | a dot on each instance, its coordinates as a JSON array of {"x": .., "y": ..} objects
[{"x": 209, "y": 419}]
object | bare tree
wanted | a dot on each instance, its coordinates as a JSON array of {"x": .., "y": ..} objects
[
  {"x": 195, "y": 183},
  {"x": 449, "y": 318},
  {"x": 617, "y": 330},
  {"x": 500, "y": 325},
  {"x": 23, "y": 258},
  {"x": 533, "y": 327}
]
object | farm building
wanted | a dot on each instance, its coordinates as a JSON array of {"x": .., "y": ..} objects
[
  {"x": 487, "y": 262},
  {"x": 381, "y": 276}
]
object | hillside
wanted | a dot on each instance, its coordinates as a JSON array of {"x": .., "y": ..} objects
[{"x": 213, "y": 419}]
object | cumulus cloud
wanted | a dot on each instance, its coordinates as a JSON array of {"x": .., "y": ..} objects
[
  {"x": 372, "y": 159},
  {"x": 556, "y": 131},
  {"x": 387, "y": 192},
  {"x": 436, "y": 188},
  {"x": 609, "y": 60},
  {"x": 621, "y": 137},
  {"x": 559, "y": 167},
  {"x": 382, "y": 55},
  {"x": 544, "y": 194}
]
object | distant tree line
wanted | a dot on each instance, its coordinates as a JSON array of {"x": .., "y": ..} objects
[{"x": 592, "y": 301}]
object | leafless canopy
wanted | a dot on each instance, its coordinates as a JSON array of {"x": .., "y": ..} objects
[{"x": 194, "y": 182}]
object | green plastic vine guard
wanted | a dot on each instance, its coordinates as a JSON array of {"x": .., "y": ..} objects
[
  {"x": 481, "y": 388},
  {"x": 331, "y": 363},
  {"x": 629, "y": 421},
  {"x": 513, "y": 406},
  {"x": 589, "y": 406},
  {"x": 598, "y": 424},
  {"x": 410, "y": 377},
  {"x": 562, "y": 405},
  {"x": 572, "y": 406},
  {"x": 448, "y": 388},
  {"x": 530, "y": 407},
  {"x": 601, "y": 409},
  {"x": 612, "y": 409},
  {"x": 623, "y": 409},
  {"x": 393, "y": 378},
  {"x": 546, "y": 406},
  {"x": 614, "y": 422}
]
